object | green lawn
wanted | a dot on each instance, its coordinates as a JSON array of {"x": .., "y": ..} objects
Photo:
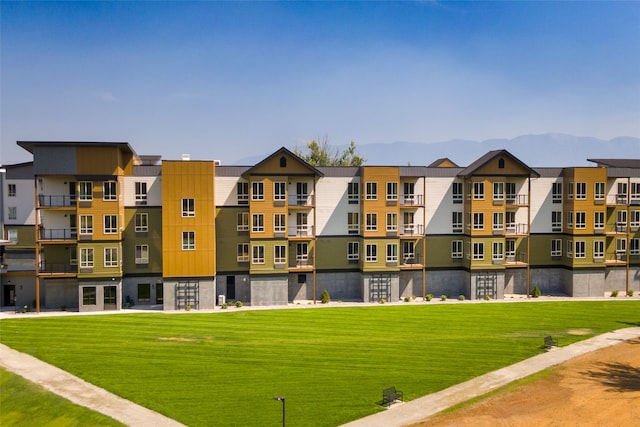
[
  {"x": 331, "y": 364},
  {"x": 25, "y": 404}
]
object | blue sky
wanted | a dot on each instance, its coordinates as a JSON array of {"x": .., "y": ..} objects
[{"x": 229, "y": 80}]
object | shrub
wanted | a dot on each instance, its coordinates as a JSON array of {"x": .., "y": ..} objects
[
  {"x": 443, "y": 297},
  {"x": 224, "y": 306},
  {"x": 429, "y": 297},
  {"x": 461, "y": 297},
  {"x": 536, "y": 292},
  {"x": 630, "y": 293},
  {"x": 238, "y": 304},
  {"x": 487, "y": 298},
  {"x": 325, "y": 297},
  {"x": 614, "y": 293},
  {"x": 407, "y": 299},
  {"x": 382, "y": 300}
]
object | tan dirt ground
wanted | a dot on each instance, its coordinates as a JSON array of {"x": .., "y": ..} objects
[{"x": 601, "y": 388}]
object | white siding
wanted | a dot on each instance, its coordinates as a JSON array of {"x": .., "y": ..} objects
[
  {"x": 225, "y": 190},
  {"x": 23, "y": 202},
  {"x": 332, "y": 205},
  {"x": 439, "y": 205},
  {"x": 154, "y": 190},
  {"x": 542, "y": 204}
]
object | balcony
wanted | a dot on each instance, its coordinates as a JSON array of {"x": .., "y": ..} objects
[
  {"x": 55, "y": 269},
  {"x": 517, "y": 229},
  {"x": 57, "y": 234},
  {"x": 516, "y": 260},
  {"x": 411, "y": 200},
  {"x": 56, "y": 201},
  {"x": 301, "y": 263},
  {"x": 301, "y": 201},
  {"x": 410, "y": 263},
  {"x": 412, "y": 230},
  {"x": 620, "y": 258},
  {"x": 301, "y": 231},
  {"x": 618, "y": 228},
  {"x": 517, "y": 200},
  {"x": 617, "y": 199}
]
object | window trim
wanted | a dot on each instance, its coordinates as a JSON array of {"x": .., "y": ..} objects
[
  {"x": 142, "y": 254},
  {"x": 108, "y": 261},
  {"x": 188, "y": 207},
  {"x": 141, "y": 222},
  {"x": 188, "y": 240},
  {"x": 109, "y": 190}
]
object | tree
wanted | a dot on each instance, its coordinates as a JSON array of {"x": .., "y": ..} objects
[{"x": 322, "y": 154}]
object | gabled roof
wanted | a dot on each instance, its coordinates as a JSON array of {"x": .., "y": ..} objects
[
  {"x": 254, "y": 170},
  {"x": 617, "y": 163},
  {"x": 444, "y": 162},
  {"x": 491, "y": 155}
]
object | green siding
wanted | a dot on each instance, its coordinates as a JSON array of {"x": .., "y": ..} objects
[{"x": 152, "y": 238}]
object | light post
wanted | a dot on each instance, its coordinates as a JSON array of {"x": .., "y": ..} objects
[{"x": 281, "y": 398}]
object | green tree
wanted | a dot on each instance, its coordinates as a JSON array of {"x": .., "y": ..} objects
[{"x": 322, "y": 154}]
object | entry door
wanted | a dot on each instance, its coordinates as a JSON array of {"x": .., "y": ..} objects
[
  {"x": 110, "y": 297},
  {"x": 231, "y": 287},
  {"x": 9, "y": 296}
]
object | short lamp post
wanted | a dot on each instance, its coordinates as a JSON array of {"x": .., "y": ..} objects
[{"x": 281, "y": 398}]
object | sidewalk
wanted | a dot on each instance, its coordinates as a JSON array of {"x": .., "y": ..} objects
[
  {"x": 426, "y": 406},
  {"x": 81, "y": 392}
]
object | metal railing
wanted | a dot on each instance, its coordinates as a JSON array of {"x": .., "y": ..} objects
[
  {"x": 57, "y": 268},
  {"x": 57, "y": 234},
  {"x": 56, "y": 200},
  {"x": 411, "y": 200}
]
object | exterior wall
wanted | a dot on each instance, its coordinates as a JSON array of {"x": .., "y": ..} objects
[
  {"x": 615, "y": 279},
  {"x": 58, "y": 293},
  {"x": 226, "y": 191},
  {"x": 242, "y": 289},
  {"x": 410, "y": 283},
  {"x": 376, "y": 286},
  {"x": 23, "y": 201},
  {"x": 24, "y": 286},
  {"x": 343, "y": 286},
  {"x": 154, "y": 190},
  {"x": 439, "y": 205},
  {"x": 206, "y": 294},
  {"x": 333, "y": 205},
  {"x": 152, "y": 238},
  {"x": 549, "y": 280},
  {"x": 542, "y": 204},
  {"x": 585, "y": 283},
  {"x": 269, "y": 290},
  {"x": 332, "y": 253},
  {"x": 497, "y": 286},
  {"x": 228, "y": 237},
  {"x": 99, "y": 286},
  {"x": 130, "y": 289},
  {"x": 448, "y": 282}
]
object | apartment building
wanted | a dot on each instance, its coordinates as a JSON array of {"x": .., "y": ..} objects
[{"x": 107, "y": 228}]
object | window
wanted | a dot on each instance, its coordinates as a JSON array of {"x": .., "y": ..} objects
[
  {"x": 569, "y": 248},
  {"x": 498, "y": 191},
  {"x": 353, "y": 251},
  {"x": 279, "y": 190},
  {"x": 302, "y": 193},
  {"x": 302, "y": 224},
  {"x": 478, "y": 190},
  {"x": 142, "y": 254},
  {"x": 497, "y": 252},
  {"x": 621, "y": 246},
  {"x": 89, "y": 295},
  {"x": 598, "y": 249},
  {"x": 510, "y": 248},
  {"x": 242, "y": 193},
  {"x": 478, "y": 220},
  {"x": 110, "y": 224},
  {"x": 469, "y": 190},
  {"x": 498, "y": 220},
  {"x": 456, "y": 249},
  {"x": 556, "y": 192},
  {"x": 372, "y": 191},
  {"x": 392, "y": 252},
  {"x": 635, "y": 218},
  {"x": 392, "y": 191},
  {"x": 511, "y": 191},
  {"x": 188, "y": 208},
  {"x": 13, "y": 212},
  {"x": 598, "y": 220},
  {"x": 86, "y": 190},
  {"x": 188, "y": 240},
  {"x": 570, "y": 190},
  {"x": 257, "y": 256},
  {"x": 302, "y": 251},
  {"x": 409, "y": 227},
  {"x": 11, "y": 190},
  {"x": 141, "y": 222},
  {"x": 635, "y": 191},
  {"x": 581, "y": 220},
  {"x": 570, "y": 219},
  {"x": 556, "y": 221},
  {"x": 621, "y": 196},
  {"x": 144, "y": 292},
  {"x": 243, "y": 252},
  {"x": 409, "y": 192},
  {"x": 372, "y": 222},
  {"x": 408, "y": 250},
  {"x": 111, "y": 257},
  {"x": 242, "y": 223},
  {"x": 279, "y": 254},
  {"x": 478, "y": 251},
  {"x": 580, "y": 249},
  {"x": 109, "y": 190},
  {"x": 556, "y": 248},
  {"x": 456, "y": 222},
  {"x": 372, "y": 252},
  {"x": 510, "y": 220},
  {"x": 257, "y": 223},
  {"x": 141, "y": 192},
  {"x": 86, "y": 224},
  {"x": 621, "y": 221},
  {"x": 353, "y": 224},
  {"x": 392, "y": 222},
  {"x": 12, "y": 234},
  {"x": 634, "y": 247},
  {"x": 353, "y": 192},
  {"x": 456, "y": 191},
  {"x": 257, "y": 190},
  {"x": 279, "y": 223},
  {"x": 86, "y": 257},
  {"x": 581, "y": 190},
  {"x": 598, "y": 191},
  {"x": 73, "y": 255}
]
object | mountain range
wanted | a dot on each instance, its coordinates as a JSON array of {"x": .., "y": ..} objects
[{"x": 545, "y": 150}]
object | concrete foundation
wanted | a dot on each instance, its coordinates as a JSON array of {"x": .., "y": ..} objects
[
  {"x": 410, "y": 284},
  {"x": 588, "y": 283},
  {"x": 103, "y": 298},
  {"x": 269, "y": 290},
  {"x": 378, "y": 286},
  {"x": 341, "y": 286},
  {"x": 189, "y": 294},
  {"x": 448, "y": 282},
  {"x": 130, "y": 290}
]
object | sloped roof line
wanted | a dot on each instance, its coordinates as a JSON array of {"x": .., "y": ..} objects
[
  {"x": 280, "y": 151},
  {"x": 473, "y": 167}
]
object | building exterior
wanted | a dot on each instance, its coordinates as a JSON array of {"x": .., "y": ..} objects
[{"x": 98, "y": 227}]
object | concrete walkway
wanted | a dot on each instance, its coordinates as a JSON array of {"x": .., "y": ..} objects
[
  {"x": 423, "y": 407},
  {"x": 81, "y": 392}
]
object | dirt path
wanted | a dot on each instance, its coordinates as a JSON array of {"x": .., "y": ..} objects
[{"x": 601, "y": 388}]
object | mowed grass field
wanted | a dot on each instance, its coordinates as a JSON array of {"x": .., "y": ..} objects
[{"x": 331, "y": 364}]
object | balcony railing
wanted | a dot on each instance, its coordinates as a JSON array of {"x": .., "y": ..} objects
[
  {"x": 301, "y": 200},
  {"x": 517, "y": 229},
  {"x": 57, "y": 268},
  {"x": 411, "y": 200},
  {"x": 517, "y": 199},
  {"x": 57, "y": 234},
  {"x": 412, "y": 230},
  {"x": 617, "y": 199},
  {"x": 301, "y": 231},
  {"x": 301, "y": 262},
  {"x": 56, "y": 201}
]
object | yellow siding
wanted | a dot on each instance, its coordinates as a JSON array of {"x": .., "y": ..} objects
[
  {"x": 99, "y": 161},
  {"x": 381, "y": 175}
]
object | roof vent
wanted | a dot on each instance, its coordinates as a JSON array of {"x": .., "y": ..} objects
[{"x": 186, "y": 157}]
